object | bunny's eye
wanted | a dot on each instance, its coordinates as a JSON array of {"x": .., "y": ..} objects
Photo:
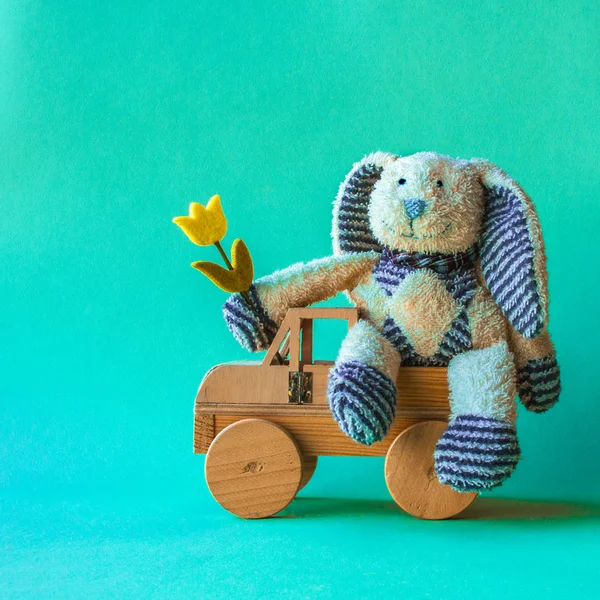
[
  {"x": 401, "y": 181},
  {"x": 439, "y": 183}
]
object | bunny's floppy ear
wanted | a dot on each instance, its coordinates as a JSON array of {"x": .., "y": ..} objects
[
  {"x": 512, "y": 253},
  {"x": 351, "y": 228}
]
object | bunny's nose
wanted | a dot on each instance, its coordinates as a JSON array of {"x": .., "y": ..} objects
[{"x": 415, "y": 207}]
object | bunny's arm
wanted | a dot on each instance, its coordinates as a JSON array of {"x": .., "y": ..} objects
[{"x": 255, "y": 324}]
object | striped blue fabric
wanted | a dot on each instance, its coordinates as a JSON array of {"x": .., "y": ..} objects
[
  {"x": 362, "y": 400},
  {"x": 476, "y": 453},
  {"x": 461, "y": 283},
  {"x": 457, "y": 340},
  {"x": 389, "y": 274},
  {"x": 538, "y": 383},
  {"x": 354, "y": 230},
  {"x": 507, "y": 261},
  {"x": 250, "y": 324},
  {"x": 457, "y": 271}
]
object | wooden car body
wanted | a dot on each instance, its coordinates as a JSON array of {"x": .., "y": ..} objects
[
  {"x": 263, "y": 424},
  {"x": 261, "y": 389}
]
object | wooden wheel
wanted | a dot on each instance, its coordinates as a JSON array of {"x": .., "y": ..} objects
[
  {"x": 253, "y": 468},
  {"x": 411, "y": 478},
  {"x": 309, "y": 464}
]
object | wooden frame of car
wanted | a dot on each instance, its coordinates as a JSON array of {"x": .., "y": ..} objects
[{"x": 263, "y": 424}]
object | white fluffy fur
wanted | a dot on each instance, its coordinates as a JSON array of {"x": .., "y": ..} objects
[
  {"x": 452, "y": 219},
  {"x": 482, "y": 382},
  {"x": 366, "y": 344}
]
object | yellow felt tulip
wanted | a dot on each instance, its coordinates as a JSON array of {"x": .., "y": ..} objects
[
  {"x": 204, "y": 226},
  {"x": 238, "y": 279}
]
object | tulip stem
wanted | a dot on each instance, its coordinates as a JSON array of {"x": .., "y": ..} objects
[
  {"x": 245, "y": 294},
  {"x": 224, "y": 255}
]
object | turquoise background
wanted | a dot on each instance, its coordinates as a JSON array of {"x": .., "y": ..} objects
[{"x": 113, "y": 118}]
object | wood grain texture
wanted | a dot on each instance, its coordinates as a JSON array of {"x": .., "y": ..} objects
[
  {"x": 422, "y": 396},
  {"x": 294, "y": 360},
  {"x": 204, "y": 432},
  {"x": 411, "y": 478},
  {"x": 253, "y": 468},
  {"x": 306, "y": 326},
  {"x": 309, "y": 465},
  {"x": 414, "y": 413},
  {"x": 251, "y": 383},
  {"x": 321, "y": 436},
  {"x": 276, "y": 344},
  {"x": 244, "y": 383},
  {"x": 349, "y": 314}
]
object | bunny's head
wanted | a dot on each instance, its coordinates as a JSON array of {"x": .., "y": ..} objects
[{"x": 429, "y": 203}]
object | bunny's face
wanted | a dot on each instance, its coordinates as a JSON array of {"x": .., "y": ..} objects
[{"x": 427, "y": 203}]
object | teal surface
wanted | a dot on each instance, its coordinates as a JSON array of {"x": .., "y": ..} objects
[{"x": 113, "y": 118}]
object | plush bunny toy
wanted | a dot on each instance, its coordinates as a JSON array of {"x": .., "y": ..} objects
[{"x": 445, "y": 259}]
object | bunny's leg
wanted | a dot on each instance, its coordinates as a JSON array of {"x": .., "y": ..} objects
[
  {"x": 362, "y": 392},
  {"x": 480, "y": 450}
]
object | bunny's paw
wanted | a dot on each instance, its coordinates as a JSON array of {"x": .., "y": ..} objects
[
  {"x": 476, "y": 453},
  {"x": 539, "y": 384},
  {"x": 363, "y": 401},
  {"x": 249, "y": 323}
]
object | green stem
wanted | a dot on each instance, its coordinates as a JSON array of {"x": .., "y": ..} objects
[{"x": 223, "y": 255}]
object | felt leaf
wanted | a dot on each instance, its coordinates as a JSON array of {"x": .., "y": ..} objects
[
  {"x": 239, "y": 279},
  {"x": 204, "y": 226}
]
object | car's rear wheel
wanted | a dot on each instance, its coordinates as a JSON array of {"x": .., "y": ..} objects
[
  {"x": 411, "y": 478},
  {"x": 309, "y": 464},
  {"x": 254, "y": 468}
]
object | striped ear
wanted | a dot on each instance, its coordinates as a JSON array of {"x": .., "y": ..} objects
[
  {"x": 512, "y": 252},
  {"x": 351, "y": 229}
]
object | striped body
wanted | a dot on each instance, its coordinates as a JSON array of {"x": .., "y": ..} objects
[
  {"x": 456, "y": 340},
  {"x": 460, "y": 281}
]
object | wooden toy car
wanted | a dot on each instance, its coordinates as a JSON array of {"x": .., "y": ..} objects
[{"x": 263, "y": 424}]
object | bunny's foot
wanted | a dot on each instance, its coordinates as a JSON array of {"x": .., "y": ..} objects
[
  {"x": 363, "y": 401},
  {"x": 249, "y": 322},
  {"x": 476, "y": 453}
]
